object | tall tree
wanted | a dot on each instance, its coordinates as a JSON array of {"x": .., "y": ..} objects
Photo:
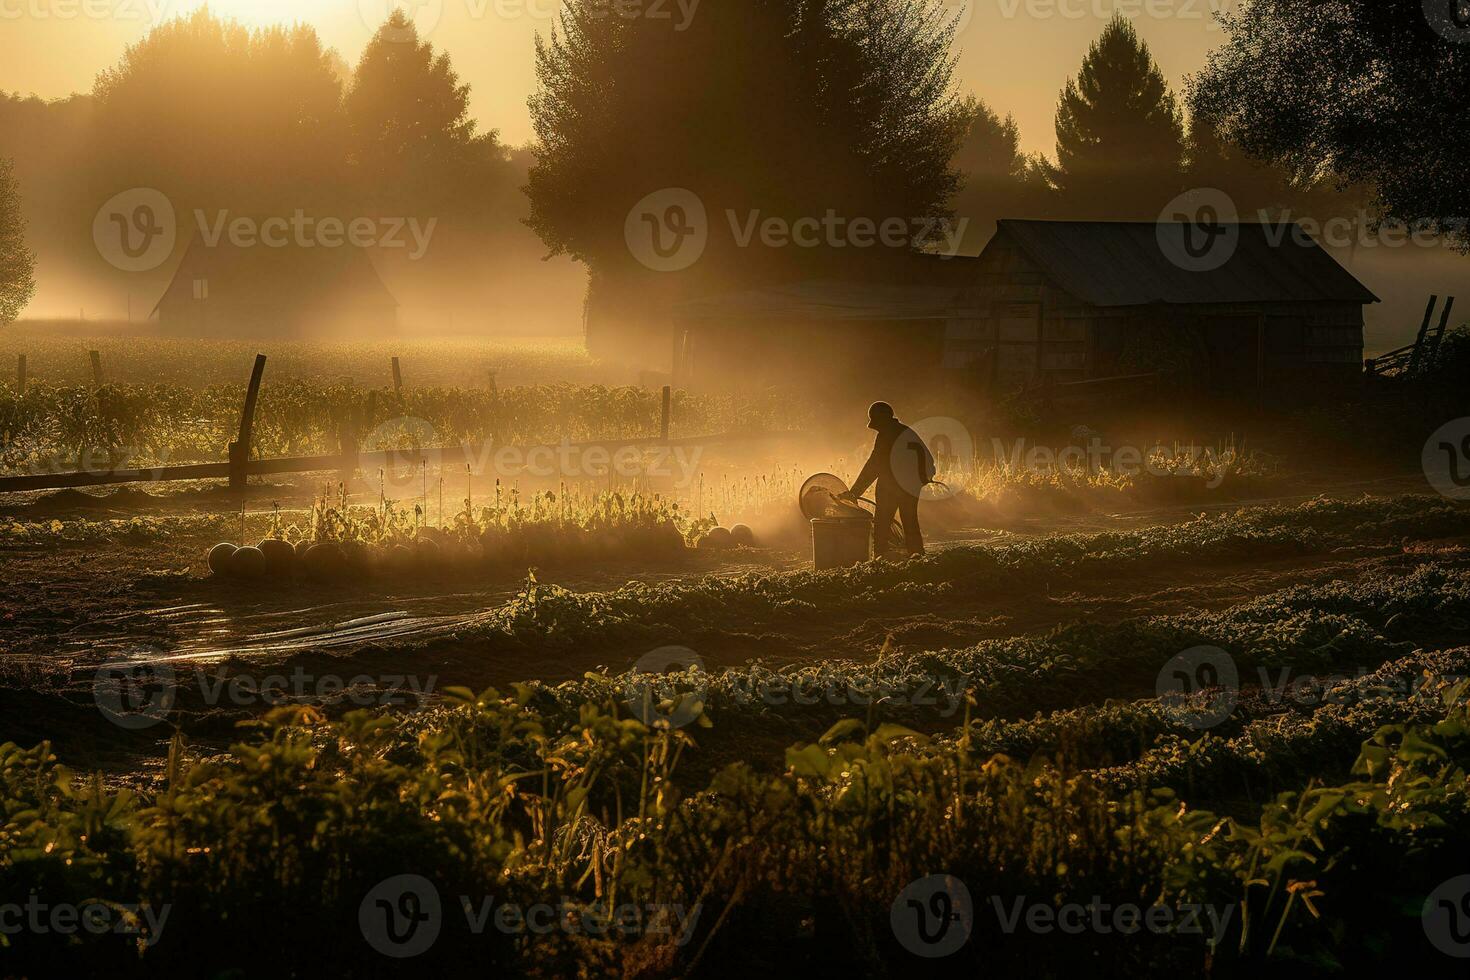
[
  {"x": 999, "y": 180},
  {"x": 1365, "y": 92},
  {"x": 783, "y": 109},
  {"x": 1120, "y": 136},
  {"x": 17, "y": 262},
  {"x": 216, "y": 115},
  {"x": 413, "y": 142}
]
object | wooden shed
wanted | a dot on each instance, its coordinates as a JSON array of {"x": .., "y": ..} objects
[
  {"x": 1054, "y": 301},
  {"x": 291, "y": 291}
]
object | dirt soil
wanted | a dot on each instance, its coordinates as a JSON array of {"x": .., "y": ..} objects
[{"x": 65, "y": 613}]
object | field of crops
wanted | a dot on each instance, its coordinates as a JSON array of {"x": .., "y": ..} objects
[
  {"x": 62, "y": 358},
  {"x": 575, "y": 696},
  {"x": 1299, "y": 805}
]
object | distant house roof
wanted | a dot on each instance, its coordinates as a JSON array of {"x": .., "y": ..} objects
[
  {"x": 289, "y": 277},
  {"x": 831, "y": 299},
  {"x": 1117, "y": 263}
]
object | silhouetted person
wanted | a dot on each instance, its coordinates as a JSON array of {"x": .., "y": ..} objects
[{"x": 902, "y": 465}]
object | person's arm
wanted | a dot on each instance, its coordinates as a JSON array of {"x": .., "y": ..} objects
[{"x": 870, "y": 470}]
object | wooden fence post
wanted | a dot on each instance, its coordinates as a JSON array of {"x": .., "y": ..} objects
[
  {"x": 397, "y": 380},
  {"x": 96, "y": 368},
  {"x": 240, "y": 449},
  {"x": 20, "y": 374},
  {"x": 347, "y": 446},
  {"x": 663, "y": 425}
]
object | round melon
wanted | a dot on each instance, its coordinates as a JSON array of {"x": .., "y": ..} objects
[
  {"x": 400, "y": 559},
  {"x": 219, "y": 558},
  {"x": 248, "y": 563},
  {"x": 717, "y": 539},
  {"x": 279, "y": 555},
  {"x": 322, "y": 560},
  {"x": 741, "y": 534}
]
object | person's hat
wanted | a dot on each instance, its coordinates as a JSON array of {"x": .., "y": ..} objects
[{"x": 879, "y": 413}]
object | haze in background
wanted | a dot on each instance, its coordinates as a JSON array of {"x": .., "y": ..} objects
[{"x": 1016, "y": 55}]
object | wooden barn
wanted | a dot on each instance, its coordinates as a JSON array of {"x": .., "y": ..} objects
[
  {"x": 1052, "y": 301},
  {"x": 265, "y": 291}
]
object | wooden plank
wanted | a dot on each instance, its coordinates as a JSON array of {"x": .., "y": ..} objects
[
  {"x": 96, "y": 358},
  {"x": 1423, "y": 331},
  {"x": 444, "y": 455},
  {"x": 160, "y": 474},
  {"x": 239, "y": 450}
]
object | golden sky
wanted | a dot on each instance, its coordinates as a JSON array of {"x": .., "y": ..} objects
[{"x": 1015, "y": 54}]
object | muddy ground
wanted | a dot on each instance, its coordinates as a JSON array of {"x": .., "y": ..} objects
[{"x": 66, "y": 612}]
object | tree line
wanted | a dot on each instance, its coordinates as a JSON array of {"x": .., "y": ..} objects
[{"x": 783, "y": 107}]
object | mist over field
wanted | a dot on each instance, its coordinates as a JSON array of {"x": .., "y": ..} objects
[{"x": 722, "y": 488}]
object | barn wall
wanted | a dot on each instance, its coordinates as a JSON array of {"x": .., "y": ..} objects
[{"x": 1021, "y": 329}]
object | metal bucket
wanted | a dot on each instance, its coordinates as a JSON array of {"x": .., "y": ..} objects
[{"x": 838, "y": 542}]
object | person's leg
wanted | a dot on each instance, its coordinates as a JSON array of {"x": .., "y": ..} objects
[
  {"x": 908, "y": 512},
  {"x": 887, "y": 506}
]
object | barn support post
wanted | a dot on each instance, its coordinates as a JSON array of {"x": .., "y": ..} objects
[
  {"x": 20, "y": 374},
  {"x": 663, "y": 425},
  {"x": 239, "y": 451},
  {"x": 96, "y": 368}
]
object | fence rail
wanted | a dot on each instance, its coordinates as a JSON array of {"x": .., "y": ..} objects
[{"x": 239, "y": 467}]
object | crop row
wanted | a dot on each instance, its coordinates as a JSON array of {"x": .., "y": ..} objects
[{"x": 546, "y": 615}]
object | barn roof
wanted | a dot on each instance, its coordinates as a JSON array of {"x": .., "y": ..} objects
[
  {"x": 1120, "y": 263},
  {"x": 291, "y": 276}
]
